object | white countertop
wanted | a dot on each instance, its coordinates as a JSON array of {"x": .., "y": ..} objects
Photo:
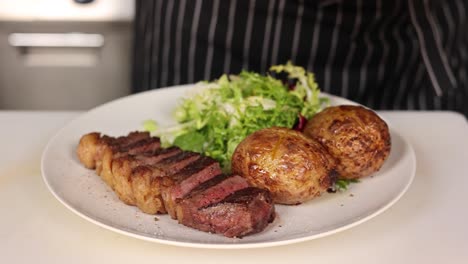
[{"x": 428, "y": 225}]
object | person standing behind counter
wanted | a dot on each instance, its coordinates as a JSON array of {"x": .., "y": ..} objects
[{"x": 383, "y": 54}]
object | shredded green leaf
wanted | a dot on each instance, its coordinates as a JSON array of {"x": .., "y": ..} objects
[
  {"x": 343, "y": 184},
  {"x": 220, "y": 114},
  {"x": 150, "y": 125}
]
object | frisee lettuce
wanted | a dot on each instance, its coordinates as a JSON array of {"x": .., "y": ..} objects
[
  {"x": 218, "y": 115},
  {"x": 343, "y": 184}
]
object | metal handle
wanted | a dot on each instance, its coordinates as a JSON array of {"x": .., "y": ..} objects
[
  {"x": 73, "y": 40},
  {"x": 83, "y": 1}
]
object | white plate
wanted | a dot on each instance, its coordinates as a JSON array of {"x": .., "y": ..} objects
[{"x": 84, "y": 193}]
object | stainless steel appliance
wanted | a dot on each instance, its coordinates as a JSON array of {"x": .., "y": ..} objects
[{"x": 62, "y": 54}]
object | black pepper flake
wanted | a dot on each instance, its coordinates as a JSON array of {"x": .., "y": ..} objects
[
  {"x": 351, "y": 195},
  {"x": 156, "y": 219}
]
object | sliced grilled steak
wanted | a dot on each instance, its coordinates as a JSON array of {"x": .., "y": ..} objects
[
  {"x": 176, "y": 163},
  {"x": 148, "y": 181},
  {"x": 151, "y": 158},
  {"x": 147, "y": 146},
  {"x": 107, "y": 143},
  {"x": 94, "y": 149},
  {"x": 189, "y": 186},
  {"x": 244, "y": 212},
  {"x": 135, "y": 142},
  {"x": 207, "y": 193},
  {"x": 123, "y": 166},
  {"x": 125, "y": 141},
  {"x": 87, "y": 149},
  {"x": 187, "y": 179}
]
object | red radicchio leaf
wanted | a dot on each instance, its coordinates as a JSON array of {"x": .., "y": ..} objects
[{"x": 300, "y": 124}]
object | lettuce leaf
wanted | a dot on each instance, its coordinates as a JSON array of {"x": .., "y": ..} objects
[{"x": 218, "y": 115}]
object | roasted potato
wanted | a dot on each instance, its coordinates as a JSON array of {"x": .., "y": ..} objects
[
  {"x": 291, "y": 166},
  {"x": 355, "y": 136}
]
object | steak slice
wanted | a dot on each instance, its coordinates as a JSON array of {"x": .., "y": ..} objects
[
  {"x": 108, "y": 144},
  {"x": 131, "y": 146},
  {"x": 124, "y": 141},
  {"x": 94, "y": 148},
  {"x": 210, "y": 192},
  {"x": 148, "y": 180},
  {"x": 147, "y": 146},
  {"x": 87, "y": 149},
  {"x": 188, "y": 179},
  {"x": 91, "y": 146},
  {"x": 123, "y": 166},
  {"x": 244, "y": 212}
]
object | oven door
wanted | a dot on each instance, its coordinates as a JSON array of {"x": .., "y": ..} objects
[{"x": 56, "y": 62}]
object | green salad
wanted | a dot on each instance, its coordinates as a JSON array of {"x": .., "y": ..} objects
[{"x": 220, "y": 114}]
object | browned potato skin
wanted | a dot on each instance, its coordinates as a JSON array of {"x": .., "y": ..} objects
[
  {"x": 291, "y": 166},
  {"x": 356, "y": 136}
]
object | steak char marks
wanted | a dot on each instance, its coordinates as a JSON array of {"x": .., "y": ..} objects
[
  {"x": 186, "y": 180},
  {"x": 149, "y": 180},
  {"x": 188, "y": 186},
  {"x": 123, "y": 167},
  {"x": 226, "y": 205}
]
